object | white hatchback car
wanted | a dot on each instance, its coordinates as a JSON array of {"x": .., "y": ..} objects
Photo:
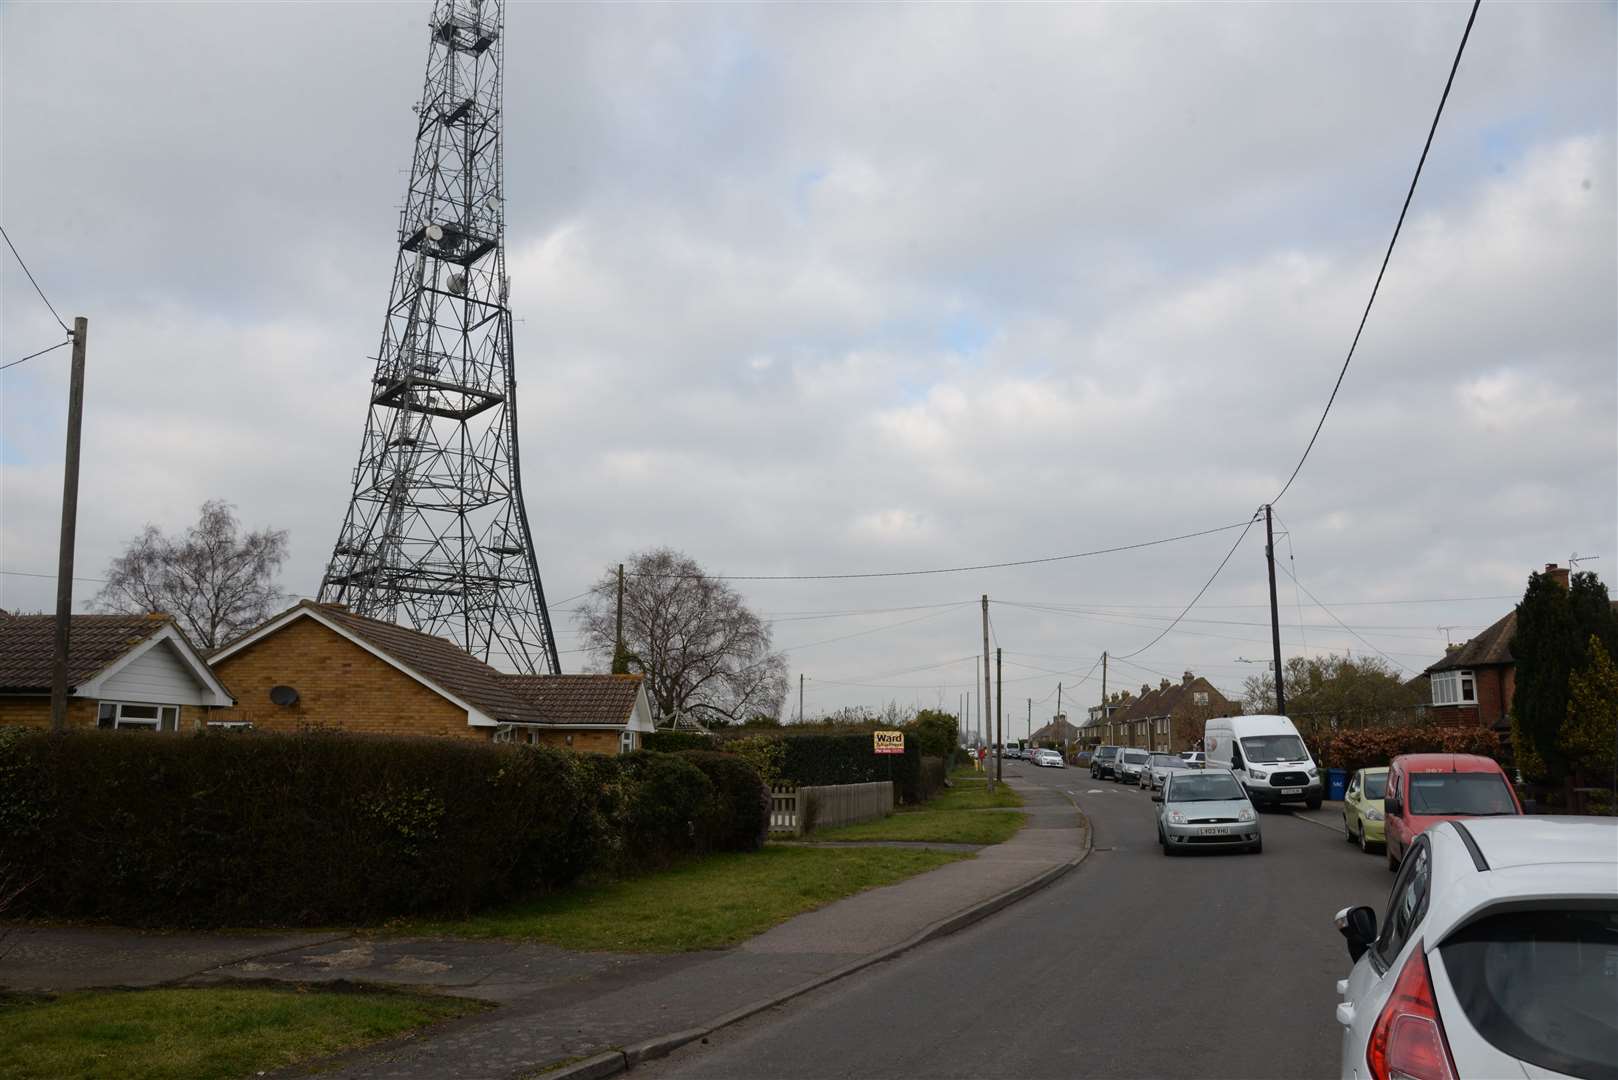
[
  {"x": 1498, "y": 956},
  {"x": 1049, "y": 757}
]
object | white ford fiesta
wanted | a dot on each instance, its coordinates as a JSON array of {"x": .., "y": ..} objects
[{"x": 1497, "y": 956}]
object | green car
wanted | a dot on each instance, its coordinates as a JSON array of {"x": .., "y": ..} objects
[{"x": 1362, "y": 808}]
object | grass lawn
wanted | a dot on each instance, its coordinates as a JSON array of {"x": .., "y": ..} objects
[
  {"x": 933, "y": 826},
  {"x": 969, "y": 797},
  {"x": 707, "y": 903},
  {"x": 200, "y": 1034}
]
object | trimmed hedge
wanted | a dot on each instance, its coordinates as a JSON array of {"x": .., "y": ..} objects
[
  {"x": 264, "y": 829},
  {"x": 1365, "y": 748},
  {"x": 220, "y": 830},
  {"x": 815, "y": 759},
  {"x": 739, "y": 812},
  {"x": 670, "y": 742}
]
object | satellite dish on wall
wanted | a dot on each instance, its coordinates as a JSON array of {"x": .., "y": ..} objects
[{"x": 283, "y": 695}]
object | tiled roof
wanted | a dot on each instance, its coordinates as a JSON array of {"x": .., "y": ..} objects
[
  {"x": 1492, "y": 646},
  {"x": 94, "y": 642},
  {"x": 1164, "y": 700},
  {"x": 579, "y": 699},
  {"x": 436, "y": 659}
]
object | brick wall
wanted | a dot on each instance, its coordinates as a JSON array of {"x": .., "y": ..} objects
[
  {"x": 1494, "y": 701},
  {"x": 36, "y": 712},
  {"x": 339, "y": 684},
  {"x": 81, "y": 713},
  {"x": 587, "y": 742}
]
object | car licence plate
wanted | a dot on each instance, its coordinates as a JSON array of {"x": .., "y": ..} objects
[
  {"x": 1216, "y": 830},
  {"x": 1292, "y": 791}
]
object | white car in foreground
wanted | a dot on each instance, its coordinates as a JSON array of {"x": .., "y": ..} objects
[
  {"x": 1049, "y": 757},
  {"x": 1497, "y": 956}
]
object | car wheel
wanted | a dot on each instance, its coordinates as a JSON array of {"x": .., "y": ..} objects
[
  {"x": 1314, "y": 803},
  {"x": 1393, "y": 864},
  {"x": 1348, "y": 832},
  {"x": 1257, "y": 848},
  {"x": 1364, "y": 845}
]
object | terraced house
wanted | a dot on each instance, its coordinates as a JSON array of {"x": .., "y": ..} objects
[{"x": 1169, "y": 718}]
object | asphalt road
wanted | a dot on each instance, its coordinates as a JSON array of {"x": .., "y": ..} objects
[{"x": 1133, "y": 965}]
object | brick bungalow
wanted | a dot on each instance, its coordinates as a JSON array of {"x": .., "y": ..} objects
[
  {"x": 1474, "y": 683},
  {"x": 322, "y": 665},
  {"x": 1170, "y": 718},
  {"x": 136, "y": 672}
]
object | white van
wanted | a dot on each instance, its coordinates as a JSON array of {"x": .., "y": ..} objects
[{"x": 1267, "y": 755}]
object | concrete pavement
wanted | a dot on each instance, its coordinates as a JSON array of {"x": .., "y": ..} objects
[{"x": 560, "y": 1006}]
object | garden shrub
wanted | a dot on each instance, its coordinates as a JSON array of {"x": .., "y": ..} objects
[
  {"x": 1364, "y": 748},
  {"x": 217, "y": 829},
  {"x": 739, "y": 812},
  {"x": 667, "y": 797},
  {"x": 668, "y": 742},
  {"x": 764, "y": 752},
  {"x": 813, "y": 760}
]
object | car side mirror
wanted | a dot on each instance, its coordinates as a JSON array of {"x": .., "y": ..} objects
[
  {"x": 1393, "y": 806},
  {"x": 1358, "y": 927},
  {"x": 1157, "y": 796}
]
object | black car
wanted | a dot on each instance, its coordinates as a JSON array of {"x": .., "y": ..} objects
[{"x": 1101, "y": 765}]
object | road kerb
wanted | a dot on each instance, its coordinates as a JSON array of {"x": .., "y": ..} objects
[
  {"x": 610, "y": 1063},
  {"x": 651, "y": 1049}
]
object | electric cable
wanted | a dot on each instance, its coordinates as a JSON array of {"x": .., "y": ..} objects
[
  {"x": 1194, "y": 599},
  {"x": 31, "y": 355},
  {"x": 1339, "y": 622},
  {"x": 1409, "y": 195},
  {"x": 34, "y": 283}
]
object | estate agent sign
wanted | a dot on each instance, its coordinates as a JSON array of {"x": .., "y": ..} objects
[{"x": 889, "y": 742}]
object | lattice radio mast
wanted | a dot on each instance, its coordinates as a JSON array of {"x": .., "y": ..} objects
[{"x": 436, "y": 536}]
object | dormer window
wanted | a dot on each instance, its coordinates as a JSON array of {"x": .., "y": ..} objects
[{"x": 1454, "y": 688}]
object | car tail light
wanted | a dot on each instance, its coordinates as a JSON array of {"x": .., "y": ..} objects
[{"x": 1408, "y": 1041}]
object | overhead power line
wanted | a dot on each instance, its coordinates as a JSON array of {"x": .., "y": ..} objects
[
  {"x": 1194, "y": 599},
  {"x": 961, "y": 569},
  {"x": 1409, "y": 195},
  {"x": 30, "y": 356},
  {"x": 1340, "y": 622},
  {"x": 34, "y": 283}
]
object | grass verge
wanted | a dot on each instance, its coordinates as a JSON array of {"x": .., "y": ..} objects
[
  {"x": 201, "y": 1034},
  {"x": 969, "y": 797},
  {"x": 932, "y": 826},
  {"x": 707, "y": 903}
]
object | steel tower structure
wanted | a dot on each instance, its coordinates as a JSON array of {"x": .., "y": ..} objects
[{"x": 436, "y": 535}]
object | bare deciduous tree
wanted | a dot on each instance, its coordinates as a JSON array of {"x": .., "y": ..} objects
[
  {"x": 216, "y": 582},
  {"x": 704, "y": 654}
]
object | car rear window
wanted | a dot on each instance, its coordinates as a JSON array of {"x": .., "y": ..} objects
[
  {"x": 1107, "y": 752},
  {"x": 1134, "y": 757},
  {"x": 1542, "y": 986},
  {"x": 1476, "y": 793}
]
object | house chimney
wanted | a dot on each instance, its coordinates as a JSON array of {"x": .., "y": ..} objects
[
  {"x": 1144, "y": 689},
  {"x": 1557, "y": 574},
  {"x": 1164, "y": 685},
  {"x": 1188, "y": 679}
]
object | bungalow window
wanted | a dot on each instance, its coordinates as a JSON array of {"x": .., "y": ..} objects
[
  {"x": 1454, "y": 688},
  {"x": 115, "y": 714},
  {"x": 626, "y": 742}
]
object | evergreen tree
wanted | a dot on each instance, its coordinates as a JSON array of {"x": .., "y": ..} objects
[
  {"x": 1546, "y": 648},
  {"x": 1559, "y": 633},
  {"x": 1590, "y": 736}
]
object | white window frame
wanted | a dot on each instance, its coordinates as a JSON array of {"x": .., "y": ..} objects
[
  {"x": 121, "y": 719},
  {"x": 626, "y": 742},
  {"x": 1456, "y": 687},
  {"x": 1200, "y": 697}
]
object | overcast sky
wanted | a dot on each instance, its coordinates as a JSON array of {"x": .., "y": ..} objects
[{"x": 842, "y": 288}]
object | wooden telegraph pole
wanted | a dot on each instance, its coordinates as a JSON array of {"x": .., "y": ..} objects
[
  {"x": 1275, "y": 618},
  {"x": 999, "y": 713},
  {"x": 988, "y": 691},
  {"x": 70, "y": 520}
]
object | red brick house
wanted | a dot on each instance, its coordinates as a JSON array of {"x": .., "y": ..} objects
[
  {"x": 1474, "y": 683},
  {"x": 137, "y": 672},
  {"x": 1170, "y": 718},
  {"x": 322, "y": 665}
]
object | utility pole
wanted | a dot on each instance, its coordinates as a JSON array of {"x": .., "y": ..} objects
[
  {"x": 1275, "y": 618},
  {"x": 620, "y": 654},
  {"x": 988, "y": 691},
  {"x": 1104, "y": 724},
  {"x": 999, "y": 713},
  {"x": 70, "y": 522},
  {"x": 800, "y": 697},
  {"x": 1030, "y": 723},
  {"x": 1059, "y": 720}
]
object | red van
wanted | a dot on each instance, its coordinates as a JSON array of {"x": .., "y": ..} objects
[{"x": 1424, "y": 789}]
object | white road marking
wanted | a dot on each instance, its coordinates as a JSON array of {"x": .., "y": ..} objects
[{"x": 1095, "y": 791}]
